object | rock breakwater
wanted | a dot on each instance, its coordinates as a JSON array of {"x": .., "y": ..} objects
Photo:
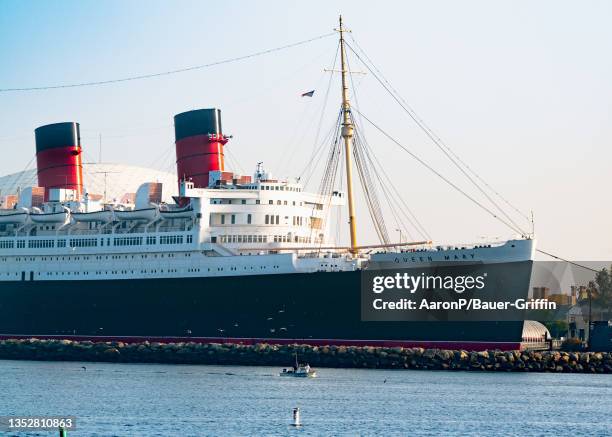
[{"x": 317, "y": 356}]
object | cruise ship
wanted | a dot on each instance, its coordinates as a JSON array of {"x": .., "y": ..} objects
[{"x": 234, "y": 258}]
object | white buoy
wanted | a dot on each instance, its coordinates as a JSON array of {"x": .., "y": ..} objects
[{"x": 296, "y": 417}]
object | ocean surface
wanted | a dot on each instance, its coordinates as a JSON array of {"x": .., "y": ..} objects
[{"x": 186, "y": 400}]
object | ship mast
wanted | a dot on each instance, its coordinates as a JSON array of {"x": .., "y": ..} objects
[{"x": 347, "y": 135}]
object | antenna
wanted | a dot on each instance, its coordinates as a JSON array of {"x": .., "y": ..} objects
[{"x": 105, "y": 173}]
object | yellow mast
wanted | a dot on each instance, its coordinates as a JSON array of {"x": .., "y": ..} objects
[{"x": 347, "y": 135}]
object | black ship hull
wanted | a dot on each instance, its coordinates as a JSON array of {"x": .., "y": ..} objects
[{"x": 310, "y": 308}]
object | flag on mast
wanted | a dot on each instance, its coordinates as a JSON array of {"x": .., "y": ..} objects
[{"x": 308, "y": 94}]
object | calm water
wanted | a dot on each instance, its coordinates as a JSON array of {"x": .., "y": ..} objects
[{"x": 165, "y": 400}]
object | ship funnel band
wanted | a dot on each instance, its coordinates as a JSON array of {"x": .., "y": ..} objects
[
  {"x": 198, "y": 122},
  {"x": 55, "y": 167},
  {"x": 59, "y": 157},
  {"x": 57, "y": 135},
  {"x": 199, "y": 145}
]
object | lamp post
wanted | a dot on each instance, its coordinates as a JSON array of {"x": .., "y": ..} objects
[{"x": 590, "y": 294}]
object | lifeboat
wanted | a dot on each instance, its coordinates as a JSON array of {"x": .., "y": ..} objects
[
  {"x": 96, "y": 216},
  {"x": 137, "y": 214},
  {"x": 13, "y": 216},
  {"x": 50, "y": 217},
  {"x": 169, "y": 214}
]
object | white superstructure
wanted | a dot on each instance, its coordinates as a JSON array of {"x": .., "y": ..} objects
[
  {"x": 263, "y": 227},
  {"x": 232, "y": 230}
]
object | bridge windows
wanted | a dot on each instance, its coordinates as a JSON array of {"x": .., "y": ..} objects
[
  {"x": 83, "y": 242},
  {"x": 243, "y": 238},
  {"x": 171, "y": 239},
  {"x": 127, "y": 241},
  {"x": 272, "y": 219}
]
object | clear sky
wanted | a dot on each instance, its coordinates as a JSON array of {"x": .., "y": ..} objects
[{"x": 521, "y": 91}]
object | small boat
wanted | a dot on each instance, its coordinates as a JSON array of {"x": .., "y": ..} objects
[
  {"x": 299, "y": 370},
  {"x": 96, "y": 216},
  {"x": 186, "y": 212},
  {"x": 50, "y": 217},
  {"x": 137, "y": 214},
  {"x": 302, "y": 371},
  {"x": 13, "y": 216}
]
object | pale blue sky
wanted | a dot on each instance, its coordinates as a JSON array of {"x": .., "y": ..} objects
[{"x": 522, "y": 91}]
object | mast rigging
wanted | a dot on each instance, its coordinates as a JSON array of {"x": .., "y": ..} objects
[{"x": 347, "y": 135}]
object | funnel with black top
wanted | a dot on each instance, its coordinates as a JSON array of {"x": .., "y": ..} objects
[
  {"x": 199, "y": 145},
  {"x": 58, "y": 157}
]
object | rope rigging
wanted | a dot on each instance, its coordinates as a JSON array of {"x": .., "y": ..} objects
[
  {"x": 446, "y": 150},
  {"x": 317, "y": 149},
  {"x": 21, "y": 180},
  {"x": 451, "y": 155},
  {"x": 367, "y": 170},
  {"x": 369, "y": 189},
  {"x": 362, "y": 164},
  {"x": 302, "y": 129},
  {"x": 441, "y": 176},
  {"x": 169, "y": 72},
  {"x": 391, "y": 201},
  {"x": 330, "y": 173},
  {"x": 372, "y": 159}
]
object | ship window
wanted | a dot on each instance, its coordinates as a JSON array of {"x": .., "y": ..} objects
[
  {"x": 171, "y": 239},
  {"x": 276, "y": 188},
  {"x": 267, "y": 219},
  {"x": 249, "y": 219},
  {"x": 271, "y": 202},
  {"x": 222, "y": 219},
  {"x": 233, "y": 219},
  {"x": 244, "y": 201},
  {"x": 257, "y": 202}
]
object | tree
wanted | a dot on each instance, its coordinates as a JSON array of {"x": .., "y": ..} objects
[
  {"x": 557, "y": 328},
  {"x": 603, "y": 279}
]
